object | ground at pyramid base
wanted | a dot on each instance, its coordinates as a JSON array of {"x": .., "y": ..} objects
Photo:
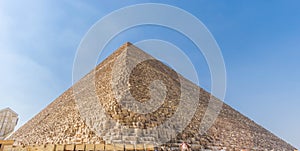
[{"x": 76, "y": 118}]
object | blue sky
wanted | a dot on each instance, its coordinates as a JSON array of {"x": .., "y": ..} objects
[{"x": 259, "y": 42}]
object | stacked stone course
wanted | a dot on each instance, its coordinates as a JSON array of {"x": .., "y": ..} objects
[{"x": 61, "y": 123}]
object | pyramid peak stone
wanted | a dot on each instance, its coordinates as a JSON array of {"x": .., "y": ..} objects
[{"x": 128, "y": 43}]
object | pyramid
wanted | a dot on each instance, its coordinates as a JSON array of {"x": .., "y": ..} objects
[
  {"x": 133, "y": 98},
  {"x": 8, "y": 120}
]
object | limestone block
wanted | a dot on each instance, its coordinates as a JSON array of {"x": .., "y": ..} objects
[
  {"x": 69, "y": 147},
  {"x": 99, "y": 147},
  {"x": 49, "y": 147},
  {"x": 7, "y": 147},
  {"x": 59, "y": 147},
  {"x": 109, "y": 147},
  {"x": 129, "y": 146},
  {"x": 119, "y": 147},
  {"x": 80, "y": 147},
  {"x": 89, "y": 147},
  {"x": 149, "y": 147},
  {"x": 139, "y": 147}
]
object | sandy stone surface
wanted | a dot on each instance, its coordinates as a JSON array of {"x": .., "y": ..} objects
[
  {"x": 8, "y": 121},
  {"x": 99, "y": 108}
]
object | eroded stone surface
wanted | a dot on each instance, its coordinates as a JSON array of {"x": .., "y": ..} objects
[
  {"x": 94, "y": 110},
  {"x": 8, "y": 121}
]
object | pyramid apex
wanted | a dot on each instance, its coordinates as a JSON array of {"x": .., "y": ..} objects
[
  {"x": 8, "y": 109},
  {"x": 127, "y": 44},
  {"x": 130, "y": 50},
  {"x": 124, "y": 46}
]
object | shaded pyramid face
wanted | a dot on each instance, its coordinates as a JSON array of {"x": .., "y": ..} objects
[{"x": 133, "y": 98}]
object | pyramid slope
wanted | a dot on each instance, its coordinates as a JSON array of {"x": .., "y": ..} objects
[{"x": 61, "y": 121}]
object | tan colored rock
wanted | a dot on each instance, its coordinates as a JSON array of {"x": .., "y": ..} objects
[
  {"x": 8, "y": 121},
  {"x": 60, "y": 122}
]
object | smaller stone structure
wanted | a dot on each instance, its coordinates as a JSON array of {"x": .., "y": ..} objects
[{"x": 8, "y": 122}]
